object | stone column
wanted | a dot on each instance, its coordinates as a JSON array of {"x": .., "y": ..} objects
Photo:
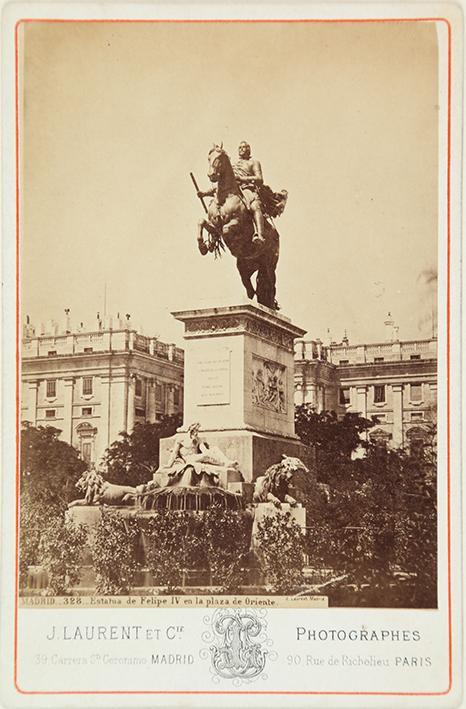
[
  {"x": 131, "y": 395},
  {"x": 32, "y": 402},
  {"x": 113, "y": 402},
  {"x": 299, "y": 394},
  {"x": 103, "y": 435},
  {"x": 67, "y": 433},
  {"x": 397, "y": 439},
  {"x": 150, "y": 410},
  {"x": 170, "y": 399},
  {"x": 310, "y": 396},
  {"x": 361, "y": 400},
  {"x": 320, "y": 399}
]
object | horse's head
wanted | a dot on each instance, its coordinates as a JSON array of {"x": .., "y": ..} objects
[{"x": 218, "y": 163}]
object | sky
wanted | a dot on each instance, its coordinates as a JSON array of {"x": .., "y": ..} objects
[{"x": 343, "y": 116}]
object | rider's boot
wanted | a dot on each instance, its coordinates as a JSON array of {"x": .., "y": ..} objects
[{"x": 258, "y": 237}]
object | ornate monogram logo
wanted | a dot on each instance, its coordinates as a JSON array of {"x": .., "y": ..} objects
[{"x": 236, "y": 644}]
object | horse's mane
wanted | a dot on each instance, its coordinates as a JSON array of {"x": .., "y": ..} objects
[{"x": 229, "y": 175}]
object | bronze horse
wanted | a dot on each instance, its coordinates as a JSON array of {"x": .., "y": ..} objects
[{"x": 229, "y": 222}]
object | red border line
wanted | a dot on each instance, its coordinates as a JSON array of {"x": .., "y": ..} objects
[
  {"x": 450, "y": 650},
  {"x": 17, "y": 354},
  {"x": 448, "y": 353}
]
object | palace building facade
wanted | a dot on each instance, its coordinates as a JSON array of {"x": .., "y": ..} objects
[
  {"x": 94, "y": 383},
  {"x": 394, "y": 382}
]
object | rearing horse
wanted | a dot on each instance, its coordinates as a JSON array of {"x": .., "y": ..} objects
[{"x": 229, "y": 222}]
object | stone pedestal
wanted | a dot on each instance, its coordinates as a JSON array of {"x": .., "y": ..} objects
[
  {"x": 255, "y": 452},
  {"x": 239, "y": 384},
  {"x": 88, "y": 515}
]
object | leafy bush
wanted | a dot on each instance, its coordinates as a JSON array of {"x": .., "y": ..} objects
[
  {"x": 59, "y": 553},
  {"x": 173, "y": 543},
  {"x": 32, "y": 522},
  {"x": 227, "y": 535},
  {"x": 114, "y": 552},
  {"x": 281, "y": 551}
]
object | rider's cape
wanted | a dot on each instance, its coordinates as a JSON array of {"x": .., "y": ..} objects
[{"x": 273, "y": 202}]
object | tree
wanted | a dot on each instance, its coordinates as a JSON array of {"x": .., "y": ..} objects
[
  {"x": 134, "y": 458},
  {"x": 333, "y": 439},
  {"x": 379, "y": 525},
  {"x": 49, "y": 467}
]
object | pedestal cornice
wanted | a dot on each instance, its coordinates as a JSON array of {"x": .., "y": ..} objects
[{"x": 238, "y": 320}]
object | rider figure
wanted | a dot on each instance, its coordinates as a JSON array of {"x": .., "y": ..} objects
[{"x": 248, "y": 173}]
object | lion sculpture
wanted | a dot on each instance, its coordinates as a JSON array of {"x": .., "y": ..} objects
[
  {"x": 98, "y": 491},
  {"x": 273, "y": 486}
]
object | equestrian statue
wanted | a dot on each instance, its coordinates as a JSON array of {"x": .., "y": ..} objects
[{"x": 240, "y": 216}]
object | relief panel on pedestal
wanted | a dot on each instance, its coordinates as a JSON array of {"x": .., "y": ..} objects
[{"x": 269, "y": 385}]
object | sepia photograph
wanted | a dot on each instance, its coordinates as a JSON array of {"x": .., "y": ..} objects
[{"x": 228, "y": 248}]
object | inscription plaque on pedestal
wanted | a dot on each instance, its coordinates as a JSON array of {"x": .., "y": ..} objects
[{"x": 213, "y": 379}]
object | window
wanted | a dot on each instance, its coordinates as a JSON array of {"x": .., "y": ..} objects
[
  {"x": 416, "y": 392},
  {"x": 158, "y": 392},
  {"x": 415, "y": 357},
  {"x": 344, "y": 361},
  {"x": 50, "y": 413},
  {"x": 377, "y": 360},
  {"x": 86, "y": 451},
  {"x": 379, "y": 418},
  {"x": 88, "y": 349},
  {"x": 51, "y": 387},
  {"x": 140, "y": 412},
  {"x": 138, "y": 386},
  {"x": 417, "y": 416},
  {"x": 52, "y": 353},
  {"x": 87, "y": 386},
  {"x": 417, "y": 439},
  {"x": 176, "y": 397},
  {"x": 86, "y": 411},
  {"x": 379, "y": 394},
  {"x": 344, "y": 396}
]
